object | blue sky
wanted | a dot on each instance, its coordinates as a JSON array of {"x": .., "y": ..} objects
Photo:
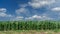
[{"x": 29, "y": 10}]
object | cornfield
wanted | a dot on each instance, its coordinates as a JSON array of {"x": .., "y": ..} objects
[{"x": 29, "y": 25}]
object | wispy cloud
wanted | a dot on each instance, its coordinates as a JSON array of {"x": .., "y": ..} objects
[
  {"x": 34, "y": 9},
  {"x": 3, "y": 13},
  {"x": 56, "y": 9},
  {"x": 40, "y": 3},
  {"x": 3, "y": 9},
  {"x": 36, "y": 5},
  {"x": 21, "y": 10},
  {"x": 38, "y": 17}
]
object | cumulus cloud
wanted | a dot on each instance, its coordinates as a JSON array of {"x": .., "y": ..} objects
[
  {"x": 21, "y": 10},
  {"x": 9, "y": 15},
  {"x": 23, "y": 5},
  {"x": 36, "y": 4},
  {"x": 3, "y": 9},
  {"x": 39, "y": 17},
  {"x": 34, "y": 17},
  {"x": 16, "y": 18},
  {"x": 40, "y": 3},
  {"x": 19, "y": 17},
  {"x": 3, "y": 13},
  {"x": 56, "y": 9}
]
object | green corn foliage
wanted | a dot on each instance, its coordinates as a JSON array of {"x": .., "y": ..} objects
[{"x": 29, "y": 25}]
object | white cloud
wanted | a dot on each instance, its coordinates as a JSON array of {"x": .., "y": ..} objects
[
  {"x": 3, "y": 13},
  {"x": 23, "y": 5},
  {"x": 3, "y": 9},
  {"x": 39, "y": 18},
  {"x": 56, "y": 9},
  {"x": 9, "y": 15},
  {"x": 35, "y": 4},
  {"x": 40, "y": 3},
  {"x": 36, "y": 16},
  {"x": 17, "y": 18},
  {"x": 21, "y": 10}
]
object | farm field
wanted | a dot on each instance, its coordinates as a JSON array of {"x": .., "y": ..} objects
[
  {"x": 29, "y": 16},
  {"x": 30, "y": 27},
  {"x": 29, "y": 32}
]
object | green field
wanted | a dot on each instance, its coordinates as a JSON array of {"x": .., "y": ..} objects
[
  {"x": 30, "y": 27},
  {"x": 30, "y": 32}
]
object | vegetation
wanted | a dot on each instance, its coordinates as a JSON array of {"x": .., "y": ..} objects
[
  {"x": 29, "y": 25},
  {"x": 29, "y": 32}
]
